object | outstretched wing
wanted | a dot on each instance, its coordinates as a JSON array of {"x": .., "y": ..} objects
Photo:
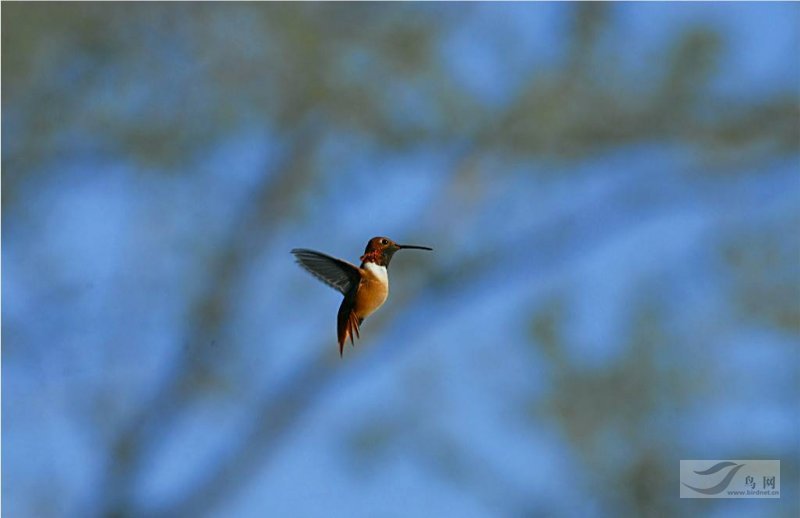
[{"x": 339, "y": 275}]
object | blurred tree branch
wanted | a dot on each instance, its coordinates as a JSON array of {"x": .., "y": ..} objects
[{"x": 210, "y": 314}]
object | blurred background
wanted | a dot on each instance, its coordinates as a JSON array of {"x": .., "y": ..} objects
[{"x": 612, "y": 192}]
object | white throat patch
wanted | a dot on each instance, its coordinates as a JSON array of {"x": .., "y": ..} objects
[{"x": 378, "y": 271}]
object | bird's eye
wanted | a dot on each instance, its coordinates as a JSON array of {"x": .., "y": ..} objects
[{"x": 384, "y": 241}]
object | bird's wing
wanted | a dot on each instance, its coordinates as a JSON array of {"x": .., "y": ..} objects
[{"x": 339, "y": 275}]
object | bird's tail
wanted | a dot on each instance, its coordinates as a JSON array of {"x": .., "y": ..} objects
[{"x": 349, "y": 329}]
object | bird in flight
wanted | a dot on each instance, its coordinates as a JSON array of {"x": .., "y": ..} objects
[{"x": 365, "y": 288}]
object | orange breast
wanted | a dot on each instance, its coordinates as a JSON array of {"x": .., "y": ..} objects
[{"x": 372, "y": 293}]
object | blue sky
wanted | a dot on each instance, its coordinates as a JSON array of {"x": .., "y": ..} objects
[{"x": 446, "y": 408}]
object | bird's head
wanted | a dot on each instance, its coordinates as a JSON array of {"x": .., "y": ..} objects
[{"x": 381, "y": 249}]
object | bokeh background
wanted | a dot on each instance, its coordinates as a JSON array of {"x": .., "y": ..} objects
[{"x": 612, "y": 190}]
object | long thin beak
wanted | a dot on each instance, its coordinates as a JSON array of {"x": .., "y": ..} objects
[{"x": 415, "y": 246}]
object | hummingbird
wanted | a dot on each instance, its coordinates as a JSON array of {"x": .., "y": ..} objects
[{"x": 365, "y": 288}]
